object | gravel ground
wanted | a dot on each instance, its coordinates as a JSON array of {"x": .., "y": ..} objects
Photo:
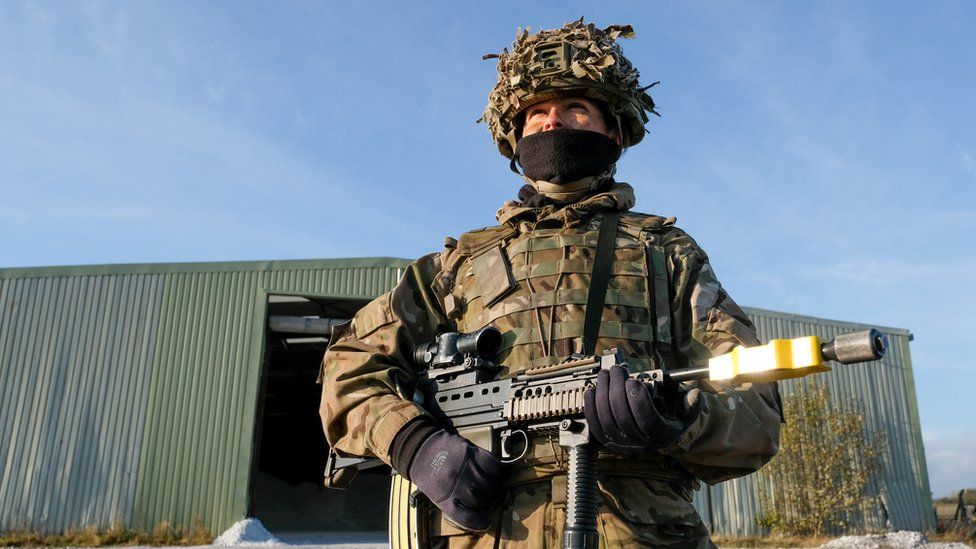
[{"x": 891, "y": 540}]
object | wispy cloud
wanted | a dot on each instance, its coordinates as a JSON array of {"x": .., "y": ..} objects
[
  {"x": 951, "y": 459},
  {"x": 925, "y": 359},
  {"x": 893, "y": 271},
  {"x": 106, "y": 29},
  {"x": 969, "y": 162}
]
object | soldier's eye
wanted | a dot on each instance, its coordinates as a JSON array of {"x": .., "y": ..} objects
[{"x": 578, "y": 106}]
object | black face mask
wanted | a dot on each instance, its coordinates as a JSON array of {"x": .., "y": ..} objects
[{"x": 565, "y": 155}]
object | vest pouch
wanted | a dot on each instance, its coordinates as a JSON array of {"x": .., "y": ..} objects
[
  {"x": 494, "y": 274},
  {"x": 525, "y": 518},
  {"x": 649, "y": 500},
  {"x": 727, "y": 320}
]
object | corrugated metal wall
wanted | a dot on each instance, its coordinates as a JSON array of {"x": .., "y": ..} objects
[
  {"x": 129, "y": 392},
  {"x": 202, "y": 400},
  {"x": 885, "y": 391},
  {"x": 75, "y": 361}
]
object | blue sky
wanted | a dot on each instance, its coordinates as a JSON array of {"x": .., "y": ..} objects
[{"x": 824, "y": 153}]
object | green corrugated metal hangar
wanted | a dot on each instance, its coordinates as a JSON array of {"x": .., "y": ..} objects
[{"x": 139, "y": 394}]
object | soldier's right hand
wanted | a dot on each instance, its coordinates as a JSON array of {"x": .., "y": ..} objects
[{"x": 462, "y": 479}]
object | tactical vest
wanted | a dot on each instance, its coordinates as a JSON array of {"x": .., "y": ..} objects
[{"x": 532, "y": 284}]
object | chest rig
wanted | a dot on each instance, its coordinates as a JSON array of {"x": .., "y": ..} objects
[{"x": 531, "y": 281}]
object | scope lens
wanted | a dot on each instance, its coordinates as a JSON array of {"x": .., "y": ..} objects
[
  {"x": 483, "y": 343},
  {"x": 489, "y": 342}
]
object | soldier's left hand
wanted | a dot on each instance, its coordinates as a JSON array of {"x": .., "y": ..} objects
[{"x": 622, "y": 415}]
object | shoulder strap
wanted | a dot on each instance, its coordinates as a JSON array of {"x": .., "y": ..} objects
[
  {"x": 660, "y": 299},
  {"x": 595, "y": 298}
]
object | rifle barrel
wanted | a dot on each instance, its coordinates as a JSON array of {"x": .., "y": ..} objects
[{"x": 688, "y": 374}]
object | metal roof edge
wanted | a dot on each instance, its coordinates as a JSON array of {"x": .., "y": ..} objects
[
  {"x": 807, "y": 318},
  {"x": 334, "y": 263},
  {"x": 202, "y": 267}
]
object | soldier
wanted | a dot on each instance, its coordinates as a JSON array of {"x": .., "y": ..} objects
[{"x": 565, "y": 105}]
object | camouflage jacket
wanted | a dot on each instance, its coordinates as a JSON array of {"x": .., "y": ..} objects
[{"x": 529, "y": 276}]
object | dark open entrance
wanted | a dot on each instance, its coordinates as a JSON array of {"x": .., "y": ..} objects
[{"x": 287, "y": 494}]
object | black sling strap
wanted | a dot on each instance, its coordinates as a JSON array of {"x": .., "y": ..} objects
[{"x": 595, "y": 298}]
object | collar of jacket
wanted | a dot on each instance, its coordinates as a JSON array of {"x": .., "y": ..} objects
[
  {"x": 567, "y": 192},
  {"x": 620, "y": 197}
]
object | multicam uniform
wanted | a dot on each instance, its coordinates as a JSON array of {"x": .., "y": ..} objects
[{"x": 529, "y": 277}]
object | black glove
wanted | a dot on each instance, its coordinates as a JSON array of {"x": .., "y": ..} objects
[
  {"x": 622, "y": 415},
  {"x": 462, "y": 479}
]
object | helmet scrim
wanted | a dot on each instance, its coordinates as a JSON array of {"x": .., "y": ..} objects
[{"x": 575, "y": 60}]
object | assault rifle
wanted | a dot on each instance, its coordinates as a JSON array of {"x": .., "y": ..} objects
[{"x": 458, "y": 386}]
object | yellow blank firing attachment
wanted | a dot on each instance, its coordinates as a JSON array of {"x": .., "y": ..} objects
[
  {"x": 789, "y": 358},
  {"x": 778, "y": 359}
]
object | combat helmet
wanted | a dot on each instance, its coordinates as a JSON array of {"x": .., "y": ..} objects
[{"x": 577, "y": 59}]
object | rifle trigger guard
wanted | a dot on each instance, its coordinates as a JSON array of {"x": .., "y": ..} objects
[{"x": 507, "y": 445}]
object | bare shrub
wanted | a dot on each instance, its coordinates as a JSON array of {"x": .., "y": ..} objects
[{"x": 823, "y": 479}]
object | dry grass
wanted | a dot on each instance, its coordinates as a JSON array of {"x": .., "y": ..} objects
[
  {"x": 772, "y": 541},
  {"x": 950, "y": 530},
  {"x": 162, "y": 534}
]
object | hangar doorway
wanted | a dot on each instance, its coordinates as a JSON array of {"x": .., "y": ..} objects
[{"x": 286, "y": 492}]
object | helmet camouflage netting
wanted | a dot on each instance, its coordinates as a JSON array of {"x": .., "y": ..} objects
[{"x": 577, "y": 59}]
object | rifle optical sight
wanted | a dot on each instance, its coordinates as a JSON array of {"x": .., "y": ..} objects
[{"x": 454, "y": 347}]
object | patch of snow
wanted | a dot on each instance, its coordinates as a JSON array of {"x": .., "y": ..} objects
[
  {"x": 249, "y": 531},
  {"x": 891, "y": 540}
]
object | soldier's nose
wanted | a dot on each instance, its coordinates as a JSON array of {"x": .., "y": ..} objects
[{"x": 553, "y": 120}]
